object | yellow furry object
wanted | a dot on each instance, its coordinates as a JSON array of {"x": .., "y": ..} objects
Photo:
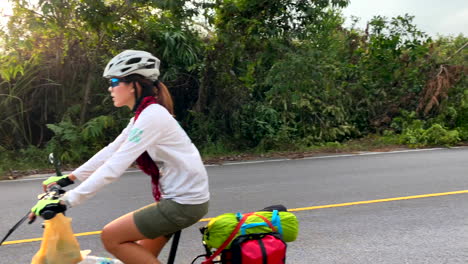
[{"x": 59, "y": 245}]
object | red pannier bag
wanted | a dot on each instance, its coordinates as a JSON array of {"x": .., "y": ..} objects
[{"x": 262, "y": 248}]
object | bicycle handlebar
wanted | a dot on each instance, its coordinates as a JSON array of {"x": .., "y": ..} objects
[{"x": 54, "y": 192}]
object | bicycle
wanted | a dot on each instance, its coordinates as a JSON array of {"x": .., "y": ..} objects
[{"x": 218, "y": 256}]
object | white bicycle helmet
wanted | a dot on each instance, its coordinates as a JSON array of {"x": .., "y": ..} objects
[{"x": 133, "y": 62}]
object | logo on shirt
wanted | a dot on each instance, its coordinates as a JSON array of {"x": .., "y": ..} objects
[{"x": 135, "y": 135}]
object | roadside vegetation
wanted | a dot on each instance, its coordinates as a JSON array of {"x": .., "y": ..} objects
[{"x": 249, "y": 78}]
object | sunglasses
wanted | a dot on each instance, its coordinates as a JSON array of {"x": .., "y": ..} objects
[{"x": 114, "y": 82}]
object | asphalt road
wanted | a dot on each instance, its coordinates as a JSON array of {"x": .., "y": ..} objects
[{"x": 429, "y": 230}]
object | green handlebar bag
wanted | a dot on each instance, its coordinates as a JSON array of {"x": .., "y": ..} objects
[{"x": 220, "y": 227}]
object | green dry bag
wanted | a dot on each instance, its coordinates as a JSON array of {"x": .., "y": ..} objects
[{"x": 220, "y": 227}]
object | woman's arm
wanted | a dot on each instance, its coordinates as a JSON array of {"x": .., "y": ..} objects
[
  {"x": 146, "y": 131},
  {"x": 85, "y": 170}
]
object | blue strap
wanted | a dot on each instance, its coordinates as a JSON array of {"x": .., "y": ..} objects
[
  {"x": 238, "y": 216},
  {"x": 276, "y": 221},
  {"x": 274, "y": 217},
  {"x": 247, "y": 226}
]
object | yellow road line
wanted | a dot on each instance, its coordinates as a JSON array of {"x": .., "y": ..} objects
[
  {"x": 378, "y": 201},
  {"x": 291, "y": 210}
]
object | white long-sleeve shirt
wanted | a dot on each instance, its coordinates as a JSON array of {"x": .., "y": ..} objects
[{"x": 183, "y": 176}]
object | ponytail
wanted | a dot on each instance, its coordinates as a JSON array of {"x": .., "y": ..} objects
[
  {"x": 163, "y": 96},
  {"x": 145, "y": 87}
]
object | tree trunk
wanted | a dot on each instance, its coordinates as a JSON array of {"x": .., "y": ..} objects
[{"x": 86, "y": 97}]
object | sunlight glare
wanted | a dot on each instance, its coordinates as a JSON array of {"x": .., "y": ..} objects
[{"x": 5, "y": 12}]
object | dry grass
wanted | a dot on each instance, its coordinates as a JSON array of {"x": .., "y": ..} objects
[{"x": 436, "y": 89}]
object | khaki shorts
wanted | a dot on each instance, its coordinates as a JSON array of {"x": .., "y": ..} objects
[{"x": 167, "y": 217}]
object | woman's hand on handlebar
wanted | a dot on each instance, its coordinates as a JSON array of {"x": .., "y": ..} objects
[
  {"x": 55, "y": 206},
  {"x": 62, "y": 181}
]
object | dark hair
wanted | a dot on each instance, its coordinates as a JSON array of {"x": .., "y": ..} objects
[{"x": 150, "y": 88}]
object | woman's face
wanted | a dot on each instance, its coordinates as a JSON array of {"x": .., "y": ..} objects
[{"x": 122, "y": 93}]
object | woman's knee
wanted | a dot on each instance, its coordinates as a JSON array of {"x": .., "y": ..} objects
[
  {"x": 119, "y": 231},
  {"x": 108, "y": 238}
]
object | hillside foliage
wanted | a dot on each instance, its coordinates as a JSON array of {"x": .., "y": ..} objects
[{"x": 244, "y": 74}]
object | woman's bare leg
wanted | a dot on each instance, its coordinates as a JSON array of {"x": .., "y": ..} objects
[
  {"x": 119, "y": 238},
  {"x": 154, "y": 245}
]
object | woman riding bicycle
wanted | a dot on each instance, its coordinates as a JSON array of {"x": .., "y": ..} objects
[{"x": 161, "y": 149}]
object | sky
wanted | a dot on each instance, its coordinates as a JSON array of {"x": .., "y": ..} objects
[
  {"x": 5, "y": 10},
  {"x": 449, "y": 17}
]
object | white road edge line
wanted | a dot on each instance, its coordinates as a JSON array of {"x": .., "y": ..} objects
[
  {"x": 279, "y": 160},
  {"x": 332, "y": 156}
]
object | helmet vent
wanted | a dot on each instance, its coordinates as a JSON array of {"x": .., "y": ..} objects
[
  {"x": 125, "y": 69},
  {"x": 151, "y": 66},
  {"x": 133, "y": 60}
]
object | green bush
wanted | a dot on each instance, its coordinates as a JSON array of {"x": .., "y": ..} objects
[
  {"x": 75, "y": 143},
  {"x": 463, "y": 132},
  {"x": 416, "y": 136},
  {"x": 23, "y": 159},
  {"x": 438, "y": 135}
]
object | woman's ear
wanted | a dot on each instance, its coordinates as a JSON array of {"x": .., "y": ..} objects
[{"x": 136, "y": 88}]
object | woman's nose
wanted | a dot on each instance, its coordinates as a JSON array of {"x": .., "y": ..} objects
[{"x": 110, "y": 89}]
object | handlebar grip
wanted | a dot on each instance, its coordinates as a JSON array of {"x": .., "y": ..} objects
[{"x": 55, "y": 188}]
